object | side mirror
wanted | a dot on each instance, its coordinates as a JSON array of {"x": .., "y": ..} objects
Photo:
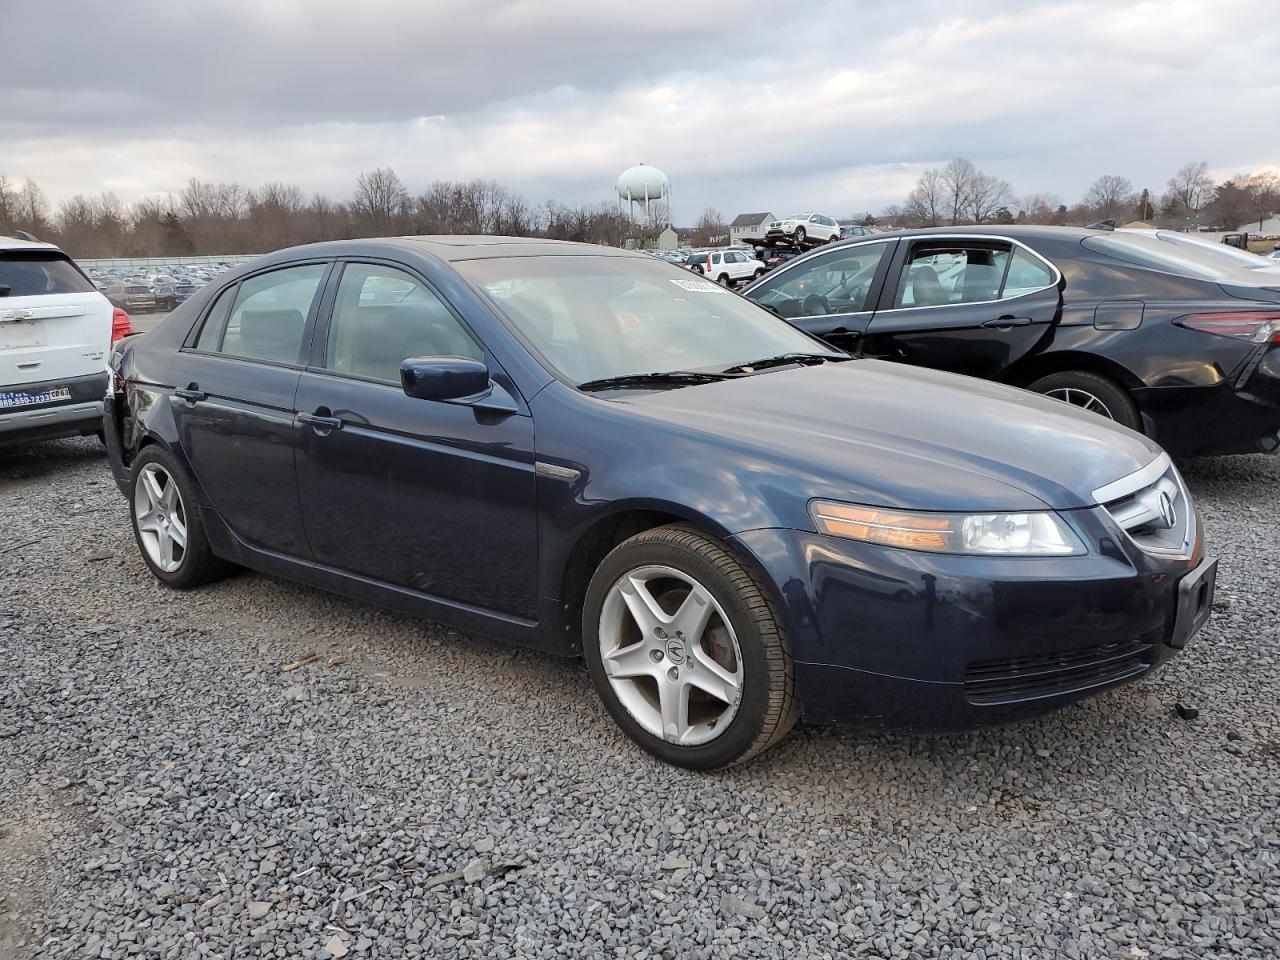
[{"x": 443, "y": 378}]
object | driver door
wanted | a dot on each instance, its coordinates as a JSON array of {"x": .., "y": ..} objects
[{"x": 829, "y": 294}]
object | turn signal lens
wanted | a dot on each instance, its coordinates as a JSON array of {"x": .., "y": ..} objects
[{"x": 982, "y": 534}]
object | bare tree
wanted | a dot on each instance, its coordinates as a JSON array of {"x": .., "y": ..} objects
[
  {"x": 1039, "y": 208},
  {"x": 33, "y": 209},
  {"x": 927, "y": 198},
  {"x": 1110, "y": 196},
  {"x": 957, "y": 183},
  {"x": 1191, "y": 186},
  {"x": 1263, "y": 190},
  {"x": 987, "y": 196},
  {"x": 710, "y": 228},
  {"x": 380, "y": 200}
]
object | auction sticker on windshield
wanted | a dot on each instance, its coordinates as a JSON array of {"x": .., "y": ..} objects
[{"x": 694, "y": 285}]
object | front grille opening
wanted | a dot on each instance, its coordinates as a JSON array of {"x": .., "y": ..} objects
[{"x": 990, "y": 682}]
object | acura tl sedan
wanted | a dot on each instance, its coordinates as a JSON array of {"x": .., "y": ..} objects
[
  {"x": 597, "y": 454},
  {"x": 1161, "y": 332}
]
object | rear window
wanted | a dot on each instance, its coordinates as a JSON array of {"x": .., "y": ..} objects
[
  {"x": 1184, "y": 260},
  {"x": 37, "y": 273}
]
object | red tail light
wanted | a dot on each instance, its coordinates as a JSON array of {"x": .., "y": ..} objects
[
  {"x": 1256, "y": 326},
  {"x": 121, "y": 327}
]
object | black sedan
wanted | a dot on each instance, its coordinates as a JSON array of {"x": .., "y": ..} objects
[
  {"x": 598, "y": 454},
  {"x": 1158, "y": 333}
]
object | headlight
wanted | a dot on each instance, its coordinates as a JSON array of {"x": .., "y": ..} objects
[{"x": 1042, "y": 534}]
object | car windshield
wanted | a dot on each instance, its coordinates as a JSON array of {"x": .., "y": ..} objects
[
  {"x": 1185, "y": 259},
  {"x": 599, "y": 317}
]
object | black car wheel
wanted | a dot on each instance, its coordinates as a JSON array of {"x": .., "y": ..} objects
[
  {"x": 724, "y": 280},
  {"x": 166, "y": 523},
  {"x": 759, "y": 273},
  {"x": 799, "y": 236},
  {"x": 1092, "y": 392},
  {"x": 686, "y": 650}
]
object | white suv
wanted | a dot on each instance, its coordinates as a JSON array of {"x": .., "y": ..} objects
[
  {"x": 804, "y": 228},
  {"x": 55, "y": 331},
  {"x": 726, "y": 267}
]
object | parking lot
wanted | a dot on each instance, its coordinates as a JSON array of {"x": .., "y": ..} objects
[{"x": 167, "y": 789}]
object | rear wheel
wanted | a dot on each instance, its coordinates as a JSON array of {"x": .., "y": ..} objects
[
  {"x": 1092, "y": 392},
  {"x": 166, "y": 523},
  {"x": 686, "y": 651},
  {"x": 724, "y": 280}
]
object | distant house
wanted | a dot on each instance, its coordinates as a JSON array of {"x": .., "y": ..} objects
[
  {"x": 748, "y": 225},
  {"x": 1270, "y": 227}
]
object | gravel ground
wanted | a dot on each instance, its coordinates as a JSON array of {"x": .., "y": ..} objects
[{"x": 167, "y": 790}]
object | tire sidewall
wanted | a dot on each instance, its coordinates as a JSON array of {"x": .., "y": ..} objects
[
  {"x": 1124, "y": 410},
  {"x": 747, "y": 722}
]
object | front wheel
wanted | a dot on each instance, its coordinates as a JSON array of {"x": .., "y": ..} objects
[
  {"x": 1092, "y": 392},
  {"x": 799, "y": 237},
  {"x": 686, "y": 651},
  {"x": 166, "y": 523},
  {"x": 758, "y": 274}
]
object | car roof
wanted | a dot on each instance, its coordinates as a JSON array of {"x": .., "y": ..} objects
[
  {"x": 455, "y": 248},
  {"x": 13, "y": 243},
  {"x": 1014, "y": 230}
]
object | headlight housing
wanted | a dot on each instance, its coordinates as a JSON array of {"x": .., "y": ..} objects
[{"x": 1032, "y": 534}]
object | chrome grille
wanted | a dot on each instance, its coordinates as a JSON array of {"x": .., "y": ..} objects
[{"x": 1153, "y": 508}]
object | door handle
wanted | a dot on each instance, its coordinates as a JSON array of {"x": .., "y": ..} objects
[
  {"x": 191, "y": 394},
  {"x": 320, "y": 422},
  {"x": 1008, "y": 323}
]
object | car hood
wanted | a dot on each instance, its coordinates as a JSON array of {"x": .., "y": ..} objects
[{"x": 888, "y": 435}]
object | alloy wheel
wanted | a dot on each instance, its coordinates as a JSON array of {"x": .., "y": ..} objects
[
  {"x": 1080, "y": 398},
  {"x": 161, "y": 517},
  {"x": 670, "y": 655}
]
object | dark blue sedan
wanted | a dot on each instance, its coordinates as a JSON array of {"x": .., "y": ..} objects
[{"x": 597, "y": 454}]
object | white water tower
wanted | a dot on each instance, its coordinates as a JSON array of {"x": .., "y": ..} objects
[{"x": 645, "y": 195}]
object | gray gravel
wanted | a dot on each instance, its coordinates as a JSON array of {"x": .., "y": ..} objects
[{"x": 167, "y": 790}]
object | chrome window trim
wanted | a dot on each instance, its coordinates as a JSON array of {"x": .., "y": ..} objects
[
  {"x": 888, "y": 238},
  {"x": 1053, "y": 270}
]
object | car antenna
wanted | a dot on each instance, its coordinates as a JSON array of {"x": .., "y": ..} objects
[{"x": 1107, "y": 224}]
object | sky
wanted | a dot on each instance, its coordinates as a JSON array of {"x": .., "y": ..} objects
[{"x": 827, "y": 105}]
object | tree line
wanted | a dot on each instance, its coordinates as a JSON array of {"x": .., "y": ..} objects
[
  {"x": 960, "y": 193},
  {"x": 228, "y": 218}
]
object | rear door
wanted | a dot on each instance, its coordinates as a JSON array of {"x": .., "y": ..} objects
[
  {"x": 235, "y": 382},
  {"x": 973, "y": 305},
  {"x": 54, "y": 324}
]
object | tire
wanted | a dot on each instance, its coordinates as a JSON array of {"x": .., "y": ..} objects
[
  {"x": 759, "y": 273},
  {"x": 188, "y": 562},
  {"x": 798, "y": 237},
  {"x": 747, "y": 644},
  {"x": 1093, "y": 392},
  {"x": 724, "y": 280}
]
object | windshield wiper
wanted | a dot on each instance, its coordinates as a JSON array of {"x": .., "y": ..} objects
[
  {"x": 784, "y": 359},
  {"x": 675, "y": 378}
]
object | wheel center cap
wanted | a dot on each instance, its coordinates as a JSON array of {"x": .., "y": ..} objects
[{"x": 675, "y": 650}]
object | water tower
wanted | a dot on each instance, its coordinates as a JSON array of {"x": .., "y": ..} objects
[{"x": 645, "y": 195}]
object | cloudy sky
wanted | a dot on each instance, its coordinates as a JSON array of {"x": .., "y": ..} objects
[{"x": 781, "y": 107}]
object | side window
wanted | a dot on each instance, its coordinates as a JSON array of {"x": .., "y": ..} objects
[
  {"x": 934, "y": 275},
  {"x": 270, "y": 314},
  {"x": 832, "y": 283},
  {"x": 211, "y": 333},
  {"x": 383, "y": 316},
  {"x": 1026, "y": 275}
]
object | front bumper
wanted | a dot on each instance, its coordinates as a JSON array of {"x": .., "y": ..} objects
[
  {"x": 916, "y": 641},
  {"x": 80, "y": 415}
]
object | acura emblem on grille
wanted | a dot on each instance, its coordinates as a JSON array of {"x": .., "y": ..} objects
[{"x": 1167, "y": 513}]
